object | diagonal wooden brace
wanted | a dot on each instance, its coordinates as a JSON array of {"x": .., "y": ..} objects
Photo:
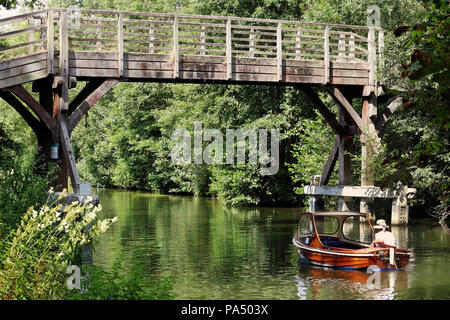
[
  {"x": 69, "y": 158},
  {"x": 26, "y": 97},
  {"x": 89, "y": 102}
]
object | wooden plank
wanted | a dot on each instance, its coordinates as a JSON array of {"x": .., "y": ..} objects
[
  {"x": 203, "y": 67},
  {"x": 93, "y": 64},
  {"x": 23, "y": 78},
  {"x": 27, "y": 68},
  {"x": 22, "y": 45},
  {"x": 350, "y": 81},
  {"x": 26, "y": 97},
  {"x": 356, "y": 191},
  {"x": 350, "y": 65},
  {"x": 151, "y": 33},
  {"x": 228, "y": 50},
  {"x": 203, "y": 59},
  {"x": 21, "y": 31},
  {"x": 302, "y": 79},
  {"x": 109, "y": 73},
  {"x": 50, "y": 42},
  {"x": 120, "y": 46},
  {"x": 255, "y": 69},
  {"x": 303, "y": 71},
  {"x": 255, "y": 61},
  {"x": 136, "y": 65},
  {"x": 148, "y": 74},
  {"x": 304, "y": 64},
  {"x": 350, "y": 73},
  {"x": 134, "y": 56},
  {"x": 197, "y": 75},
  {"x": 12, "y": 63},
  {"x": 84, "y": 55},
  {"x": 257, "y": 77}
]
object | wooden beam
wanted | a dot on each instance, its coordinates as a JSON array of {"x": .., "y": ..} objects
[
  {"x": 339, "y": 97},
  {"x": 328, "y": 116},
  {"x": 26, "y": 97},
  {"x": 332, "y": 158},
  {"x": 360, "y": 192},
  {"x": 387, "y": 114},
  {"x": 89, "y": 102},
  {"x": 31, "y": 120},
  {"x": 345, "y": 147},
  {"x": 69, "y": 158}
]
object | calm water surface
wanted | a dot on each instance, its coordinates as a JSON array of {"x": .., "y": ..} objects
[{"x": 215, "y": 252}]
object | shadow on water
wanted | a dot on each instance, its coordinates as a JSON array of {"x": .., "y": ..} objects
[{"x": 215, "y": 252}]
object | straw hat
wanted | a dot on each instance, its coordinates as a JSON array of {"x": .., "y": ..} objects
[{"x": 381, "y": 224}]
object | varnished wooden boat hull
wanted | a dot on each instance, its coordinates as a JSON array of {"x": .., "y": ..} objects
[{"x": 351, "y": 259}]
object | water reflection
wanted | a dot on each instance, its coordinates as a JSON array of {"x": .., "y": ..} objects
[
  {"x": 327, "y": 283},
  {"x": 215, "y": 252}
]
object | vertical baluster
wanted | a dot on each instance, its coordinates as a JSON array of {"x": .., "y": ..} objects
[
  {"x": 298, "y": 45},
  {"x": 176, "y": 50},
  {"x": 372, "y": 57},
  {"x": 351, "y": 43},
  {"x": 326, "y": 56},
  {"x": 341, "y": 47},
  {"x": 202, "y": 41},
  {"x": 279, "y": 53},
  {"x": 64, "y": 60},
  {"x": 120, "y": 45},
  {"x": 381, "y": 47},
  {"x": 228, "y": 50},
  {"x": 30, "y": 36},
  {"x": 252, "y": 43},
  {"x": 151, "y": 32},
  {"x": 98, "y": 43},
  {"x": 50, "y": 41}
]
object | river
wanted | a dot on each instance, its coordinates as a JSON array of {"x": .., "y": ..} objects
[{"x": 215, "y": 252}]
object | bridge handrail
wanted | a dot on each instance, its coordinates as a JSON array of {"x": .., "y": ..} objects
[{"x": 177, "y": 34}]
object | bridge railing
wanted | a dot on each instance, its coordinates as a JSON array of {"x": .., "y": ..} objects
[{"x": 180, "y": 34}]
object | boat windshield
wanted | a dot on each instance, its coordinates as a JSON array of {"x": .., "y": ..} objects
[
  {"x": 326, "y": 224},
  {"x": 357, "y": 228}
]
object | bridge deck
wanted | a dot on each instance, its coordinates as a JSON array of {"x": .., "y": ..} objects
[{"x": 134, "y": 46}]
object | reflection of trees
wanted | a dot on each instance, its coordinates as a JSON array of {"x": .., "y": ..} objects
[{"x": 197, "y": 240}]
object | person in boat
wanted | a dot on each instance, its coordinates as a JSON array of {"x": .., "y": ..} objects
[{"x": 382, "y": 235}]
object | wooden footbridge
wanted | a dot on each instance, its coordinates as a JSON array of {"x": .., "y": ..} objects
[{"x": 56, "y": 48}]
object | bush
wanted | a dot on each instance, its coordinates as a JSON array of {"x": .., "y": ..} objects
[
  {"x": 122, "y": 284},
  {"x": 35, "y": 257}
]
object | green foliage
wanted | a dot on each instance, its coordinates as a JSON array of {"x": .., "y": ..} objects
[
  {"x": 36, "y": 255},
  {"x": 21, "y": 184},
  {"x": 122, "y": 284}
]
